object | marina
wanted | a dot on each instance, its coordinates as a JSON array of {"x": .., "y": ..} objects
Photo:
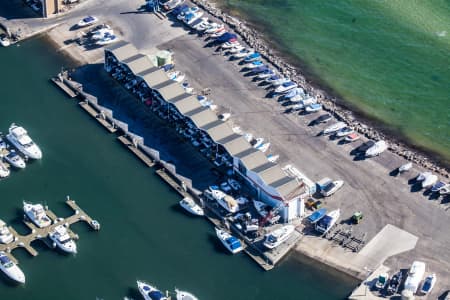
[{"x": 24, "y": 241}]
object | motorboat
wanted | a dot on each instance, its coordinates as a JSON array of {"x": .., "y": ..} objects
[
  {"x": 317, "y": 215},
  {"x": 214, "y": 27},
  {"x": 225, "y": 37},
  {"x": 331, "y": 188},
  {"x": 313, "y": 108},
  {"x": 182, "y": 8},
  {"x": 236, "y": 49},
  {"x": 192, "y": 17},
  {"x": 415, "y": 275},
  {"x": 183, "y": 295},
  {"x": 201, "y": 24},
  {"x": 344, "y": 131},
  {"x": 254, "y": 64},
  {"x": 248, "y": 137},
  {"x": 36, "y": 214},
  {"x": 98, "y": 28},
  {"x": 10, "y": 268},
  {"x": 422, "y": 176},
  {"x": 219, "y": 32},
  {"x": 150, "y": 292},
  {"x": 224, "y": 117},
  {"x": 394, "y": 283},
  {"x": 277, "y": 80},
  {"x": 266, "y": 74},
  {"x": 87, "y": 21},
  {"x": 428, "y": 284},
  {"x": 192, "y": 207},
  {"x": 243, "y": 53},
  {"x": 405, "y": 167},
  {"x": 278, "y": 236},
  {"x": 230, "y": 44},
  {"x": 365, "y": 146},
  {"x": 252, "y": 57},
  {"x": 169, "y": 5},
  {"x": 4, "y": 40},
  {"x": 334, "y": 128},
  {"x": 19, "y": 137},
  {"x": 352, "y": 137},
  {"x": 177, "y": 76},
  {"x": 4, "y": 171},
  {"x": 378, "y": 148},
  {"x": 102, "y": 33},
  {"x": 259, "y": 69},
  {"x": 234, "y": 184},
  {"x": 294, "y": 92},
  {"x": 273, "y": 158},
  {"x": 328, "y": 221},
  {"x": 323, "y": 118},
  {"x": 261, "y": 207},
  {"x": 107, "y": 39},
  {"x": 224, "y": 200},
  {"x": 230, "y": 242},
  {"x": 264, "y": 147},
  {"x": 429, "y": 181},
  {"x": 257, "y": 142},
  {"x": 285, "y": 87},
  {"x": 445, "y": 190},
  {"x": 15, "y": 160},
  {"x": 61, "y": 239},
  {"x": 438, "y": 186},
  {"x": 6, "y": 236},
  {"x": 382, "y": 281}
]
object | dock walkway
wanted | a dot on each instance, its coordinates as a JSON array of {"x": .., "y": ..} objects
[{"x": 24, "y": 241}]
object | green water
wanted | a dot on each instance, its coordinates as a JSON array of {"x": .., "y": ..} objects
[
  {"x": 390, "y": 59},
  {"x": 144, "y": 234}
]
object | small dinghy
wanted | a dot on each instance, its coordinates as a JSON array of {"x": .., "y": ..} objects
[
  {"x": 317, "y": 215},
  {"x": 192, "y": 207},
  {"x": 405, "y": 167},
  {"x": 183, "y": 295},
  {"x": 352, "y": 137}
]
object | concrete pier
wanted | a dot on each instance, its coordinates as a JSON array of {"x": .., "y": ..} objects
[
  {"x": 24, "y": 241},
  {"x": 133, "y": 148},
  {"x": 98, "y": 116},
  {"x": 60, "y": 83}
]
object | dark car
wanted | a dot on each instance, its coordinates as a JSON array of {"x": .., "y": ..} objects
[{"x": 365, "y": 146}]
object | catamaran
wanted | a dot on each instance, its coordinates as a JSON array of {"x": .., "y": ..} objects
[
  {"x": 61, "y": 238},
  {"x": 150, "y": 292},
  {"x": 230, "y": 242},
  {"x": 37, "y": 215},
  {"x": 10, "y": 268},
  {"x": 278, "y": 236},
  {"x": 6, "y": 236},
  {"x": 18, "y": 136},
  {"x": 192, "y": 207}
]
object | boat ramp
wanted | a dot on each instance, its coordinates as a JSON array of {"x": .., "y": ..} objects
[{"x": 24, "y": 241}]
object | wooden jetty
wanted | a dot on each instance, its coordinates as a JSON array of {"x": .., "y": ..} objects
[
  {"x": 58, "y": 80},
  {"x": 24, "y": 241},
  {"x": 133, "y": 148},
  {"x": 98, "y": 116}
]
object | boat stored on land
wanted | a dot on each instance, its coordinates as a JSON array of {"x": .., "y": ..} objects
[
  {"x": 317, "y": 215},
  {"x": 394, "y": 283},
  {"x": 61, "y": 238},
  {"x": 344, "y": 131},
  {"x": 278, "y": 236},
  {"x": 334, "y": 127},
  {"x": 313, "y": 108},
  {"x": 192, "y": 207},
  {"x": 331, "y": 187},
  {"x": 10, "y": 268},
  {"x": 438, "y": 186},
  {"x": 405, "y": 167},
  {"x": 428, "y": 284},
  {"x": 36, "y": 214},
  {"x": 224, "y": 200},
  {"x": 150, "y": 292},
  {"x": 429, "y": 181},
  {"x": 183, "y": 295},
  {"x": 415, "y": 276},
  {"x": 230, "y": 242},
  {"x": 327, "y": 222},
  {"x": 286, "y": 87},
  {"x": 87, "y": 21},
  {"x": 15, "y": 160},
  {"x": 352, "y": 137},
  {"x": 6, "y": 236},
  {"x": 378, "y": 148},
  {"x": 19, "y": 137},
  {"x": 243, "y": 53}
]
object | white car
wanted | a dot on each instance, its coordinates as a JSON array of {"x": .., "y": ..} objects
[{"x": 331, "y": 188}]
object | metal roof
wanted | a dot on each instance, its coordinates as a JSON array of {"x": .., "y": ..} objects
[
  {"x": 220, "y": 131},
  {"x": 272, "y": 174},
  {"x": 202, "y": 116},
  {"x": 181, "y": 98},
  {"x": 155, "y": 77},
  {"x": 171, "y": 89},
  {"x": 138, "y": 63},
  {"x": 237, "y": 145},
  {"x": 254, "y": 160},
  {"x": 122, "y": 50},
  {"x": 288, "y": 187}
]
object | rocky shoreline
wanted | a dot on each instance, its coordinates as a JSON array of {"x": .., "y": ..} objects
[{"x": 255, "y": 40}]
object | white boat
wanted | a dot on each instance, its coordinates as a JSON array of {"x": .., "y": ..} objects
[
  {"x": 4, "y": 40},
  {"x": 264, "y": 147},
  {"x": 192, "y": 207},
  {"x": 332, "y": 188},
  {"x": 4, "y": 171},
  {"x": 169, "y": 5},
  {"x": 224, "y": 117},
  {"x": 230, "y": 44},
  {"x": 236, "y": 49},
  {"x": 10, "y": 268},
  {"x": 177, "y": 76},
  {"x": 230, "y": 242},
  {"x": 214, "y": 27},
  {"x": 315, "y": 107},
  {"x": 218, "y": 32},
  {"x": 333, "y": 128},
  {"x": 36, "y": 214},
  {"x": 378, "y": 148},
  {"x": 243, "y": 53},
  {"x": 101, "y": 33},
  {"x": 193, "y": 16},
  {"x": 183, "y": 295},
  {"x": 415, "y": 276},
  {"x": 150, "y": 292},
  {"x": 278, "y": 236},
  {"x": 248, "y": 137},
  {"x": 405, "y": 167},
  {"x": 6, "y": 236},
  {"x": 279, "y": 81},
  {"x": 107, "y": 39},
  {"x": 422, "y": 176},
  {"x": 344, "y": 131},
  {"x": 87, "y": 21},
  {"x": 429, "y": 180},
  {"x": 254, "y": 64},
  {"x": 18, "y": 136},
  {"x": 428, "y": 284},
  {"x": 285, "y": 87},
  {"x": 229, "y": 203},
  {"x": 273, "y": 158},
  {"x": 266, "y": 74},
  {"x": 328, "y": 221},
  {"x": 15, "y": 160},
  {"x": 257, "y": 142},
  {"x": 62, "y": 239}
]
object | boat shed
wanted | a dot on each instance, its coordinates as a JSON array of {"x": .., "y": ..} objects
[{"x": 271, "y": 184}]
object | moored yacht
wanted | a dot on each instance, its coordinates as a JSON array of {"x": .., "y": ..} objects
[
  {"x": 62, "y": 240},
  {"x": 328, "y": 221},
  {"x": 6, "y": 236},
  {"x": 10, "y": 268},
  {"x": 278, "y": 236},
  {"x": 230, "y": 242},
  {"x": 15, "y": 160},
  {"x": 150, "y": 292},
  {"x": 18, "y": 136},
  {"x": 224, "y": 200},
  {"x": 192, "y": 207},
  {"x": 183, "y": 295},
  {"x": 4, "y": 171},
  {"x": 36, "y": 213}
]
